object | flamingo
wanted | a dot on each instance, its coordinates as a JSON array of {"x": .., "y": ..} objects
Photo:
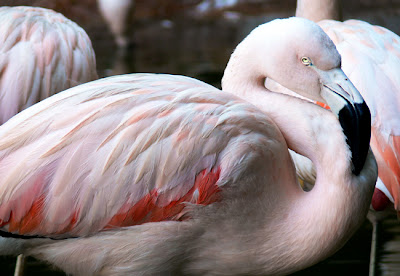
[
  {"x": 116, "y": 14},
  {"x": 150, "y": 174},
  {"x": 41, "y": 53}
]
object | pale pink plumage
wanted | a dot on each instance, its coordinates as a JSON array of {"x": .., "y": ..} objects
[
  {"x": 41, "y": 53},
  {"x": 152, "y": 174}
]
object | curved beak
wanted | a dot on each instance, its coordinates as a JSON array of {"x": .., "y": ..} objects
[{"x": 353, "y": 113}]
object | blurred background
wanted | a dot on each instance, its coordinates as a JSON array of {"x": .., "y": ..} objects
[
  {"x": 191, "y": 37},
  {"x": 196, "y": 38}
]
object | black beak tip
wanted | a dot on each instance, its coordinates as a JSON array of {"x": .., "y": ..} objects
[{"x": 356, "y": 123}]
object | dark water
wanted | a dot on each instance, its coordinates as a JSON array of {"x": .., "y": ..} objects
[{"x": 200, "y": 49}]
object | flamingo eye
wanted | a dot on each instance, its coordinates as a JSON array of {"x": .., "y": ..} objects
[{"x": 306, "y": 61}]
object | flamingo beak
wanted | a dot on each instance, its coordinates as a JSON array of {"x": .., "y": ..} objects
[{"x": 353, "y": 113}]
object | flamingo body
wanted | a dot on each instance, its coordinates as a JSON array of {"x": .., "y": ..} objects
[
  {"x": 149, "y": 174},
  {"x": 173, "y": 158},
  {"x": 179, "y": 145},
  {"x": 164, "y": 122},
  {"x": 371, "y": 59},
  {"x": 41, "y": 53}
]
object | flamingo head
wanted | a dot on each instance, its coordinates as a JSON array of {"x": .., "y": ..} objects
[{"x": 300, "y": 57}]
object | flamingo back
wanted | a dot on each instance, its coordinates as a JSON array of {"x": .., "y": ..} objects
[
  {"x": 41, "y": 53},
  {"x": 124, "y": 151}
]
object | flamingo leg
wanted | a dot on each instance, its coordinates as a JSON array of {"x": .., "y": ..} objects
[
  {"x": 20, "y": 265},
  {"x": 376, "y": 228}
]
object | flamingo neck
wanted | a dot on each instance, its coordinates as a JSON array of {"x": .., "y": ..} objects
[
  {"x": 331, "y": 212},
  {"x": 317, "y": 10}
]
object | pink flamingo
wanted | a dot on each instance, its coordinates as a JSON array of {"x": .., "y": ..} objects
[
  {"x": 41, "y": 53},
  {"x": 149, "y": 174}
]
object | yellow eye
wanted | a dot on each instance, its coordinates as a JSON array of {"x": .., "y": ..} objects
[{"x": 306, "y": 61}]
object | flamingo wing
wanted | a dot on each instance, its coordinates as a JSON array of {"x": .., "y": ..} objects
[
  {"x": 122, "y": 151},
  {"x": 377, "y": 51},
  {"x": 41, "y": 53}
]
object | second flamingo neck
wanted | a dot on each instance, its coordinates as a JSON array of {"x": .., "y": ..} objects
[{"x": 317, "y": 10}]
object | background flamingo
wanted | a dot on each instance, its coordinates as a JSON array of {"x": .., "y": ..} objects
[
  {"x": 41, "y": 53},
  {"x": 158, "y": 173}
]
